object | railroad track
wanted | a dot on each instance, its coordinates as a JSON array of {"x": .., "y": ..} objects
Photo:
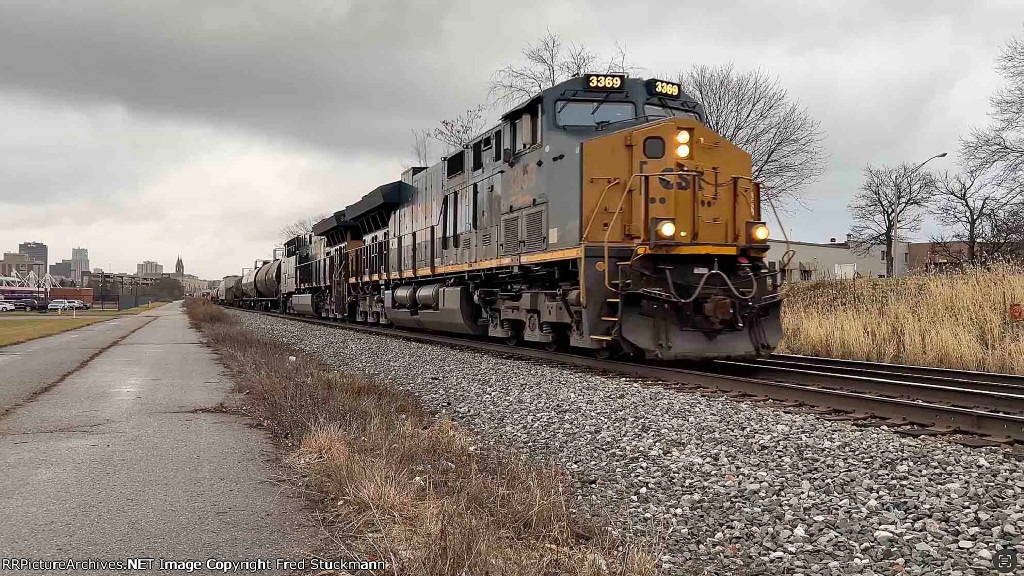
[{"x": 915, "y": 400}]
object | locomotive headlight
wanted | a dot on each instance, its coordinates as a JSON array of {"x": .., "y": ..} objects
[
  {"x": 683, "y": 137},
  {"x": 667, "y": 229},
  {"x": 683, "y": 150},
  {"x": 757, "y": 231}
]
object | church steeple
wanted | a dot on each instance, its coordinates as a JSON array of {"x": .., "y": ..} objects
[{"x": 179, "y": 268}]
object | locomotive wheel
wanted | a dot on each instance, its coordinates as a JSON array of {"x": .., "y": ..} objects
[
  {"x": 515, "y": 338},
  {"x": 604, "y": 353},
  {"x": 559, "y": 342}
]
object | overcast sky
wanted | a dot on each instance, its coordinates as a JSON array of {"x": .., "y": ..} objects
[{"x": 144, "y": 130}]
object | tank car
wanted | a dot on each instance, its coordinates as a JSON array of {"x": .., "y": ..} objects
[
  {"x": 230, "y": 290},
  {"x": 599, "y": 214}
]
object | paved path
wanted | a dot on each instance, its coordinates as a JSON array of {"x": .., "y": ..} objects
[
  {"x": 28, "y": 368},
  {"x": 115, "y": 462}
]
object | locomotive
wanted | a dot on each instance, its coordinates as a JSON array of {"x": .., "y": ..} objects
[{"x": 600, "y": 214}]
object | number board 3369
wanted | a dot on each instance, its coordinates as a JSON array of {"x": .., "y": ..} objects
[{"x": 604, "y": 81}]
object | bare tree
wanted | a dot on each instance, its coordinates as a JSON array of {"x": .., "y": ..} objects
[
  {"x": 889, "y": 205},
  {"x": 300, "y": 227},
  {"x": 1002, "y": 233},
  {"x": 421, "y": 147},
  {"x": 1000, "y": 146},
  {"x": 971, "y": 204},
  {"x": 547, "y": 62},
  {"x": 753, "y": 111},
  {"x": 457, "y": 132},
  {"x": 620, "y": 63}
]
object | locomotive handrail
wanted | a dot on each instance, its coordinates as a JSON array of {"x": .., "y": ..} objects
[
  {"x": 600, "y": 201},
  {"x": 618, "y": 210}
]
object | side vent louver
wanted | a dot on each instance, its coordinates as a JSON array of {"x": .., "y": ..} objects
[
  {"x": 510, "y": 236},
  {"x": 535, "y": 238}
]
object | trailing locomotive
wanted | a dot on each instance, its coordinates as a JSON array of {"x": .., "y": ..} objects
[{"x": 599, "y": 214}]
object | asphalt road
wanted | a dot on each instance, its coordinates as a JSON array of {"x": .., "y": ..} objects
[
  {"x": 28, "y": 368},
  {"x": 120, "y": 460}
]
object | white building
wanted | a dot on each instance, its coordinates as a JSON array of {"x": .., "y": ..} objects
[{"x": 837, "y": 260}]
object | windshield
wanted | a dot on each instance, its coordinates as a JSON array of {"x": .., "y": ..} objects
[
  {"x": 664, "y": 112},
  {"x": 592, "y": 112}
]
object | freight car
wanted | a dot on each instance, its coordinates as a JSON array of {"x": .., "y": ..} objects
[{"x": 599, "y": 214}]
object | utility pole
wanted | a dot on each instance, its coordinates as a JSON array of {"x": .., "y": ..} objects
[{"x": 890, "y": 263}]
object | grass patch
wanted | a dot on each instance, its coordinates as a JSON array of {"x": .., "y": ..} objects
[
  {"x": 417, "y": 491},
  {"x": 17, "y": 330},
  {"x": 958, "y": 320},
  {"x": 128, "y": 311}
]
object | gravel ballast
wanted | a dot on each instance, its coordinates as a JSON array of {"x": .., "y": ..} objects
[{"x": 725, "y": 487}]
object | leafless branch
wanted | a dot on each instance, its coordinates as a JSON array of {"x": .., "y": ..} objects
[
  {"x": 753, "y": 110},
  {"x": 421, "y": 147},
  {"x": 1000, "y": 146},
  {"x": 970, "y": 206},
  {"x": 547, "y": 62},
  {"x": 889, "y": 205},
  {"x": 455, "y": 133},
  {"x": 300, "y": 227}
]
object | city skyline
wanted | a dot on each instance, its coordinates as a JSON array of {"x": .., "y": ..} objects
[{"x": 80, "y": 262}]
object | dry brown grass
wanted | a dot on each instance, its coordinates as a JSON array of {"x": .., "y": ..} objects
[
  {"x": 418, "y": 491},
  {"x": 18, "y": 330},
  {"x": 950, "y": 320}
]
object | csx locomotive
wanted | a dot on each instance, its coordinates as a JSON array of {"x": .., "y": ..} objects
[{"x": 599, "y": 214}]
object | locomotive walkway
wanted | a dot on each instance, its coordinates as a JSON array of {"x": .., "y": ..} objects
[{"x": 120, "y": 460}]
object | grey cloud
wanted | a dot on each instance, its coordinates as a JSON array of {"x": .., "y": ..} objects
[
  {"x": 103, "y": 103},
  {"x": 340, "y": 75}
]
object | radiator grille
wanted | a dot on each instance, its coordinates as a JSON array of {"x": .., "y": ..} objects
[
  {"x": 485, "y": 238},
  {"x": 535, "y": 239},
  {"x": 510, "y": 236}
]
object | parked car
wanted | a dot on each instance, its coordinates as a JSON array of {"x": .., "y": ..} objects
[
  {"x": 28, "y": 305},
  {"x": 60, "y": 305},
  {"x": 78, "y": 305},
  {"x": 6, "y": 306}
]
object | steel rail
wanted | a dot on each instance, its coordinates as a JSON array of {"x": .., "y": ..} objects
[
  {"x": 899, "y": 411},
  {"x": 907, "y": 369},
  {"x": 923, "y": 378},
  {"x": 948, "y": 391}
]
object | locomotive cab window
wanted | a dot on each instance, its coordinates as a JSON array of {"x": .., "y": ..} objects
[
  {"x": 455, "y": 164},
  {"x": 478, "y": 155},
  {"x": 526, "y": 129},
  {"x": 497, "y": 145},
  {"x": 592, "y": 112}
]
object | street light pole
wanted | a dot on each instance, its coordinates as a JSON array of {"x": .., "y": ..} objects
[{"x": 894, "y": 237}]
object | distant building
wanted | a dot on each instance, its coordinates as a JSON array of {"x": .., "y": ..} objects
[
  {"x": 836, "y": 260},
  {"x": 72, "y": 269},
  {"x": 179, "y": 268},
  {"x": 79, "y": 262},
  {"x": 16, "y": 262},
  {"x": 37, "y": 251},
  {"x": 149, "y": 268},
  {"x": 63, "y": 269}
]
